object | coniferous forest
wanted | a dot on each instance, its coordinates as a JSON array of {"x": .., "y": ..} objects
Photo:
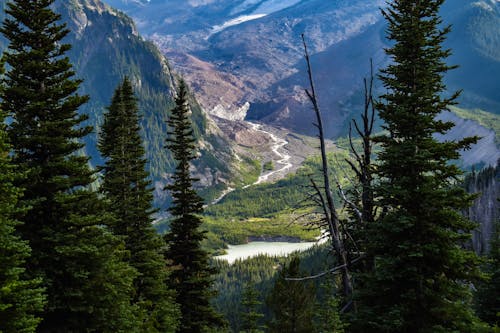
[{"x": 81, "y": 249}]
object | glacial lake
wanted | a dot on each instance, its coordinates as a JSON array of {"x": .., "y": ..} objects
[{"x": 252, "y": 249}]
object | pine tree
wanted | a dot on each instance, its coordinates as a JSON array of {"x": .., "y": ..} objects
[
  {"x": 88, "y": 285},
  {"x": 250, "y": 316},
  {"x": 126, "y": 185},
  {"x": 21, "y": 300},
  {"x": 291, "y": 302},
  {"x": 421, "y": 275},
  {"x": 488, "y": 292},
  {"x": 192, "y": 277},
  {"x": 327, "y": 314}
]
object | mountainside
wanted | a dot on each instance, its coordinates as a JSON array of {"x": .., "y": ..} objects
[
  {"x": 106, "y": 47},
  {"x": 252, "y": 47},
  {"x": 251, "y": 52},
  {"x": 485, "y": 209}
]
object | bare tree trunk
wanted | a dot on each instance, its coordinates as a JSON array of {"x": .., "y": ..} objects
[
  {"x": 328, "y": 205},
  {"x": 362, "y": 165}
]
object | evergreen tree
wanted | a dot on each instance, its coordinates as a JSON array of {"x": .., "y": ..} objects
[
  {"x": 81, "y": 263},
  {"x": 192, "y": 277},
  {"x": 126, "y": 185},
  {"x": 327, "y": 314},
  {"x": 488, "y": 293},
  {"x": 421, "y": 275},
  {"x": 21, "y": 300},
  {"x": 250, "y": 316},
  {"x": 291, "y": 302}
]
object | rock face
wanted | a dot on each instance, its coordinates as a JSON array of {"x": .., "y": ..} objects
[
  {"x": 486, "y": 150},
  {"x": 255, "y": 52},
  {"x": 486, "y": 208},
  {"x": 106, "y": 46}
]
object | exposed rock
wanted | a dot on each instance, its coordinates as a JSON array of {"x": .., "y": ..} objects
[
  {"x": 486, "y": 208},
  {"x": 486, "y": 151}
]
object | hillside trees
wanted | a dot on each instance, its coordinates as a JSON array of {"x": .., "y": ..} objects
[
  {"x": 291, "y": 302},
  {"x": 420, "y": 278},
  {"x": 250, "y": 315},
  {"x": 126, "y": 185},
  {"x": 88, "y": 285},
  {"x": 487, "y": 300},
  {"x": 192, "y": 277},
  {"x": 21, "y": 299}
]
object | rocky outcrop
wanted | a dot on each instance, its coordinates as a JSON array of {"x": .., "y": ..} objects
[
  {"x": 486, "y": 208},
  {"x": 106, "y": 46}
]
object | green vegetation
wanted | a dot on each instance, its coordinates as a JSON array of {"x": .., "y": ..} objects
[
  {"x": 420, "y": 276},
  {"x": 240, "y": 231},
  {"x": 291, "y": 302},
  {"x": 268, "y": 200},
  {"x": 21, "y": 299},
  {"x": 80, "y": 262},
  {"x": 268, "y": 166},
  {"x": 192, "y": 275},
  {"x": 250, "y": 315},
  {"x": 260, "y": 272},
  {"x": 126, "y": 185},
  {"x": 487, "y": 300}
]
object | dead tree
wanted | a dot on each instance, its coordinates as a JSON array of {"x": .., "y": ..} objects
[
  {"x": 363, "y": 205},
  {"x": 324, "y": 193}
]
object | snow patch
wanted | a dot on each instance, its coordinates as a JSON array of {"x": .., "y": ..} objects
[{"x": 233, "y": 22}]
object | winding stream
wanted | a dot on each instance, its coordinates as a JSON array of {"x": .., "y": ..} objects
[
  {"x": 283, "y": 161},
  {"x": 284, "y": 158}
]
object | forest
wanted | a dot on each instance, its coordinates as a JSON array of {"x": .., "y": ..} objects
[{"x": 81, "y": 252}]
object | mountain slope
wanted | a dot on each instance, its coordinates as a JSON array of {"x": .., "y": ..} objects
[
  {"x": 258, "y": 43},
  {"x": 106, "y": 47}
]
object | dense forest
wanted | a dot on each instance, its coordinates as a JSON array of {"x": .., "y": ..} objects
[{"x": 79, "y": 251}]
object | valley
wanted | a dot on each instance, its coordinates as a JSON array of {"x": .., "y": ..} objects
[
  {"x": 162, "y": 172},
  {"x": 251, "y": 86}
]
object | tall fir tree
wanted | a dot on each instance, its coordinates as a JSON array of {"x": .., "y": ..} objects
[
  {"x": 291, "y": 302},
  {"x": 420, "y": 281},
  {"x": 327, "y": 313},
  {"x": 21, "y": 299},
  {"x": 487, "y": 297},
  {"x": 88, "y": 284},
  {"x": 250, "y": 315},
  {"x": 126, "y": 185},
  {"x": 192, "y": 277}
]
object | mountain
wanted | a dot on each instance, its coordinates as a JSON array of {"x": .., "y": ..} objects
[
  {"x": 251, "y": 51},
  {"x": 106, "y": 47},
  {"x": 475, "y": 41}
]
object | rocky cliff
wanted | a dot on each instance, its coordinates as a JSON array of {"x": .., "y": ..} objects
[
  {"x": 486, "y": 208},
  {"x": 106, "y": 46}
]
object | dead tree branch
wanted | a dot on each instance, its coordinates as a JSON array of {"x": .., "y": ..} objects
[{"x": 328, "y": 205}]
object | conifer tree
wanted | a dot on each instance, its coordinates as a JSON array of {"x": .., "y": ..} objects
[
  {"x": 488, "y": 292},
  {"x": 88, "y": 285},
  {"x": 291, "y": 302},
  {"x": 21, "y": 300},
  {"x": 327, "y": 314},
  {"x": 250, "y": 315},
  {"x": 192, "y": 277},
  {"x": 421, "y": 275},
  {"x": 126, "y": 185}
]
